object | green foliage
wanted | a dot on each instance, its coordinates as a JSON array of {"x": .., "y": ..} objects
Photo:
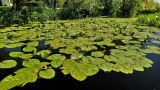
[
  {"x": 97, "y": 54},
  {"x": 148, "y": 5},
  {"x": 14, "y": 45},
  {"x": 29, "y": 49},
  {"x": 2, "y": 45},
  {"x": 47, "y": 74},
  {"x": 21, "y": 77},
  {"x": 151, "y": 19},
  {"x": 79, "y": 71},
  {"x": 44, "y": 53},
  {"x": 30, "y": 13},
  {"x": 76, "y": 56},
  {"x": 57, "y": 60},
  {"x": 121, "y": 8},
  {"x": 77, "y": 47},
  {"x": 31, "y": 63},
  {"x": 16, "y": 54},
  {"x": 78, "y": 9},
  {"x": 8, "y": 64}
]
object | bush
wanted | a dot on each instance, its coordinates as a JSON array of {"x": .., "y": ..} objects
[
  {"x": 151, "y": 19},
  {"x": 73, "y": 9},
  {"x": 28, "y": 14},
  {"x": 3, "y": 10},
  {"x": 121, "y": 8}
]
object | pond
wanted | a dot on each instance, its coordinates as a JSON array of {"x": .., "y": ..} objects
[
  {"x": 80, "y": 50},
  {"x": 147, "y": 80}
]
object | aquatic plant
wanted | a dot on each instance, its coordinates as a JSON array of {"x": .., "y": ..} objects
[{"x": 79, "y": 47}]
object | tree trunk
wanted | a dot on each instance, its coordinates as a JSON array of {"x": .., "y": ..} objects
[
  {"x": 18, "y": 4},
  {"x": 55, "y": 3}
]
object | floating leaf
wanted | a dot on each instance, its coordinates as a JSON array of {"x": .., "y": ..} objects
[
  {"x": 76, "y": 56},
  {"x": 31, "y": 63},
  {"x": 29, "y": 49},
  {"x": 14, "y": 45},
  {"x": 43, "y": 64},
  {"x": 26, "y": 56},
  {"x": 56, "y": 57},
  {"x": 79, "y": 71},
  {"x": 44, "y": 53},
  {"x": 79, "y": 75},
  {"x": 33, "y": 44},
  {"x": 47, "y": 74},
  {"x": 69, "y": 50},
  {"x": 21, "y": 77},
  {"x": 97, "y": 54},
  {"x": 2, "y": 45},
  {"x": 16, "y": 54},
  {"x": 8, "y": 64}
]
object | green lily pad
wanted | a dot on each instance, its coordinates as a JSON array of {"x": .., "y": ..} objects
[
  {"x": 44, "y": 53},
  {"x": 79, "y": 71},
  {"x": 21, "y": 77},
  {"x": 8, "y": 64},
  {"x": 33, "y": 44},
  {"x": 29, "y": 49},
  {"x": 14, "y": 45},
  {"x": 43, "y": 64},
  {"x": 16, "y": 54},
  {"x": 76, "y": 56},
  {"x": 56, "y": 57},
  {"x": 2, "y": 45},
  {"x": 26, "y": 56},
  {"x": 47, "y": 74},
  {"x": 31, "y": 63},
  {"x": 97, "y": 54}
]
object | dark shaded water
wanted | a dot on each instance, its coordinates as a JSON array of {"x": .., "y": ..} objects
[{"x": 147, "y": 80}]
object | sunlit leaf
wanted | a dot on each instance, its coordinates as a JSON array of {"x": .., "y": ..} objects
[
  {"x": 8, "y": 64},
  {"x": 31, "y": 63},
  {"x": 47, "y": 74}
]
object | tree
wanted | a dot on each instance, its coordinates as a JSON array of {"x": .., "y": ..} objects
[
  {"x": 148, "y": 5},
  {"x": 18, "y": 4}
]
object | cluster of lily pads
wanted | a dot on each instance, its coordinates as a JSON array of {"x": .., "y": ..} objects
[{"x": 79, "y": 47}]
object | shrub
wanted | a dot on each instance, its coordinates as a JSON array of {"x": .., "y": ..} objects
[
  {"x": 121, "y": 8},
  {"x": 28, "y": 14},
  {"x": 151, "y": 19},
  {"x": 73, "y": 9}
]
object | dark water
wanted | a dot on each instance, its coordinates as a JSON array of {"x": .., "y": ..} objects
[{"x": 147, "y": 80}]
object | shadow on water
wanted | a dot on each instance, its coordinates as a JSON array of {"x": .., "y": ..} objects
[{"x": 147, "y": 80}]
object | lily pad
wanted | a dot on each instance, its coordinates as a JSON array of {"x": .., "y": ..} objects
[
  {"x": 79, "y": 71},
  {"x": 29, "y": 49},
  {"x": 31, "y": 63},
  {"x": 44, "y": 53},
  {"x": 33, "y": 44},
  {"x": 21, "y": 77},
  {"x": 47, "y": 74},
  {"x": 56, "y": 57},
  {"x": 76, "y": 56},
  {"x": 14, "y": 45},
  {"x": 2, "y": 45},
  {"x": 97, "y": 54},
  {"x": 8, "y": 64},
  {"x": 16, "y": 54},
  {"x": 26, "y": 56}
]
